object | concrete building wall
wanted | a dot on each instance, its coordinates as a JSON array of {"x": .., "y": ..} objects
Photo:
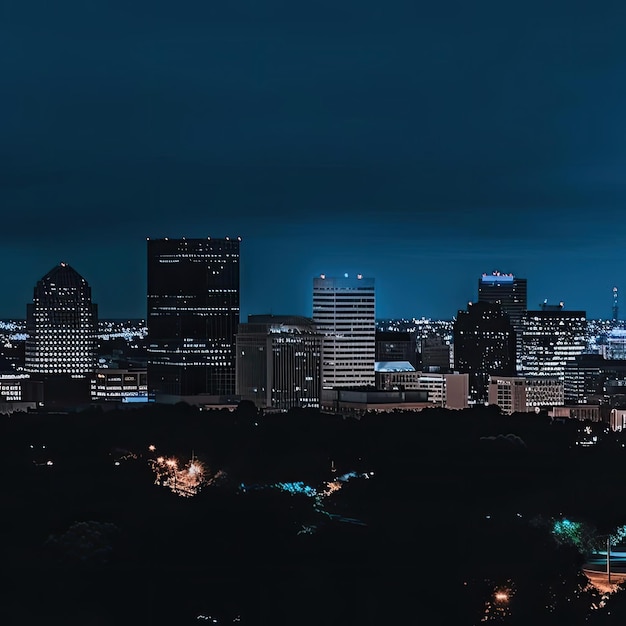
[{"x": 344, "y": 311}]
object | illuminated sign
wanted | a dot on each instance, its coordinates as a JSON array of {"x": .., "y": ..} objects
[{"x": 500, "y": 278}]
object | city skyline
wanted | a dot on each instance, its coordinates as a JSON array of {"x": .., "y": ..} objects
[
  {"x": 302, "y": 297},
  {"x": 419, "y": 144},
  {"x": 311, "y": 312}
]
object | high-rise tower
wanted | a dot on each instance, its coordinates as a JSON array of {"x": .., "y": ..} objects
[
  {"x": 193, "y": 313},
  {"x": 278, "y": 361},
  {"x": 61, "y": 325},
  {"x": 506, "y": 289},
  {"x": 511, "y": 293},
  {"x": 551, "y": 338},
  {"x": 344, "y": 311},
  {"x": 484, "y": 345}
]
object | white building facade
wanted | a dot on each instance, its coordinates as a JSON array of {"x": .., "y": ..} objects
[{"x": 344, "y": 311}]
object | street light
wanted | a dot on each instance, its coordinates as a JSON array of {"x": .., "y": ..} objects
[
  {"x": 608, "y": 556},
  {"x": 501, "y": 596}
]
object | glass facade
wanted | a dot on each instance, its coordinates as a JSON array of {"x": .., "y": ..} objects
[
  {"x": 484, "y": 345},
  {"x": 278, "y": 362},
  {"x": 511, "y": 292},
  {"x": 193, "y": 313},
  {"x": 61, "y": 323},
  {"x": 550, "y": 338}
]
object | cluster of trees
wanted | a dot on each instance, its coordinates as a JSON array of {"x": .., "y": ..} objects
[{"x": 448, "y": 516}]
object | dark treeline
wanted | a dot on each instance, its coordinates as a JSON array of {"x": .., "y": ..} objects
[{"x": 458, "y": 501}]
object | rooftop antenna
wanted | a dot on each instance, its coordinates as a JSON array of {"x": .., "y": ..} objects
[{"x": 615, "y": 307}]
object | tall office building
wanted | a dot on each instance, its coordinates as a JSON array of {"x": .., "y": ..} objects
[
  {"x": 279, "y": 361},
  {"x": 61, "y": 323},
  {"x": 551, "y": 338},
  {"x": 616, "y": 344},
  {"x": 511, "y": 292},
  {"x": 507, "y": 290},
  {"x": 484, "y": 346},
  {"x": 193, "y": 313},
  {"x": 435, "y": 353},
  {"x": 592, "y": 379},
  {"x": 344, "y": 311}
]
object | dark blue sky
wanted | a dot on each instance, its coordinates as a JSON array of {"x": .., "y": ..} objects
[{"x": 419, "y": 143}]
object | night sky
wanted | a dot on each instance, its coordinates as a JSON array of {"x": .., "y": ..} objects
[{"x": 421, "y": 143}]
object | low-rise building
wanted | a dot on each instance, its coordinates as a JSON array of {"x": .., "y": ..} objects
[
  {"x": 525, "y": 393},
  {"x": 20, "y": 388},
  {"x": 445, "y": 390},
  {"x": 119, "y": 385},
  {"x": 359, "y": 401}
]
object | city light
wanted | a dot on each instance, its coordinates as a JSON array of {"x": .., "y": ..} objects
[{"x": 184, "y": 481}]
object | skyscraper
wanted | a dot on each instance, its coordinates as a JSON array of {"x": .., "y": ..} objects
[
  {"x": 344, "y": 311},
  {"x": 484, "y": 345},
  {"x": 551, "y": 338},
  {"x": 435, "y": 353},
  {"x": 193, "y": 313},
  {"x": 279, "y": 361},
  {"x": 510, "y": 292},
  {"x": 61, "y": 323},
  {"x": 507, "y": 290}
]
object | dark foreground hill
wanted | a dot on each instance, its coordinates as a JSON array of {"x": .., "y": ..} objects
[{"x": 442, "y": 507}]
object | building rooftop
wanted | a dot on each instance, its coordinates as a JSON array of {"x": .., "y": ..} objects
[
  {"x": 63, "y": 275},
  {"x": 393, "y": 366}
]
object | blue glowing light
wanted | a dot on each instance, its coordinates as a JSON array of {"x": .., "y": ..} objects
[{"x": 297, "y": 487}]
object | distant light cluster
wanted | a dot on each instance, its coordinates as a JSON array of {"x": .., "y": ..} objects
[
  {"x": 128, "y": 330},
  {"x": 184, "y": 481}
]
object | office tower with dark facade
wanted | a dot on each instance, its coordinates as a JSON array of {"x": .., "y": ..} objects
[
  {"x": 435, "y": 354},
  {"x": 484, "y": 346},
  {"x": 592, "y": 379},
  {"x": 511, "y": 292},
  {"x": 551, "y": 338},
  {"x": 394, "y": 345},
  {"x": 279, "y": 361},
  {"x": 344, "y": 311},
  {"x": 61, "y": 323},
  {"x": 193, "y": 313}
]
